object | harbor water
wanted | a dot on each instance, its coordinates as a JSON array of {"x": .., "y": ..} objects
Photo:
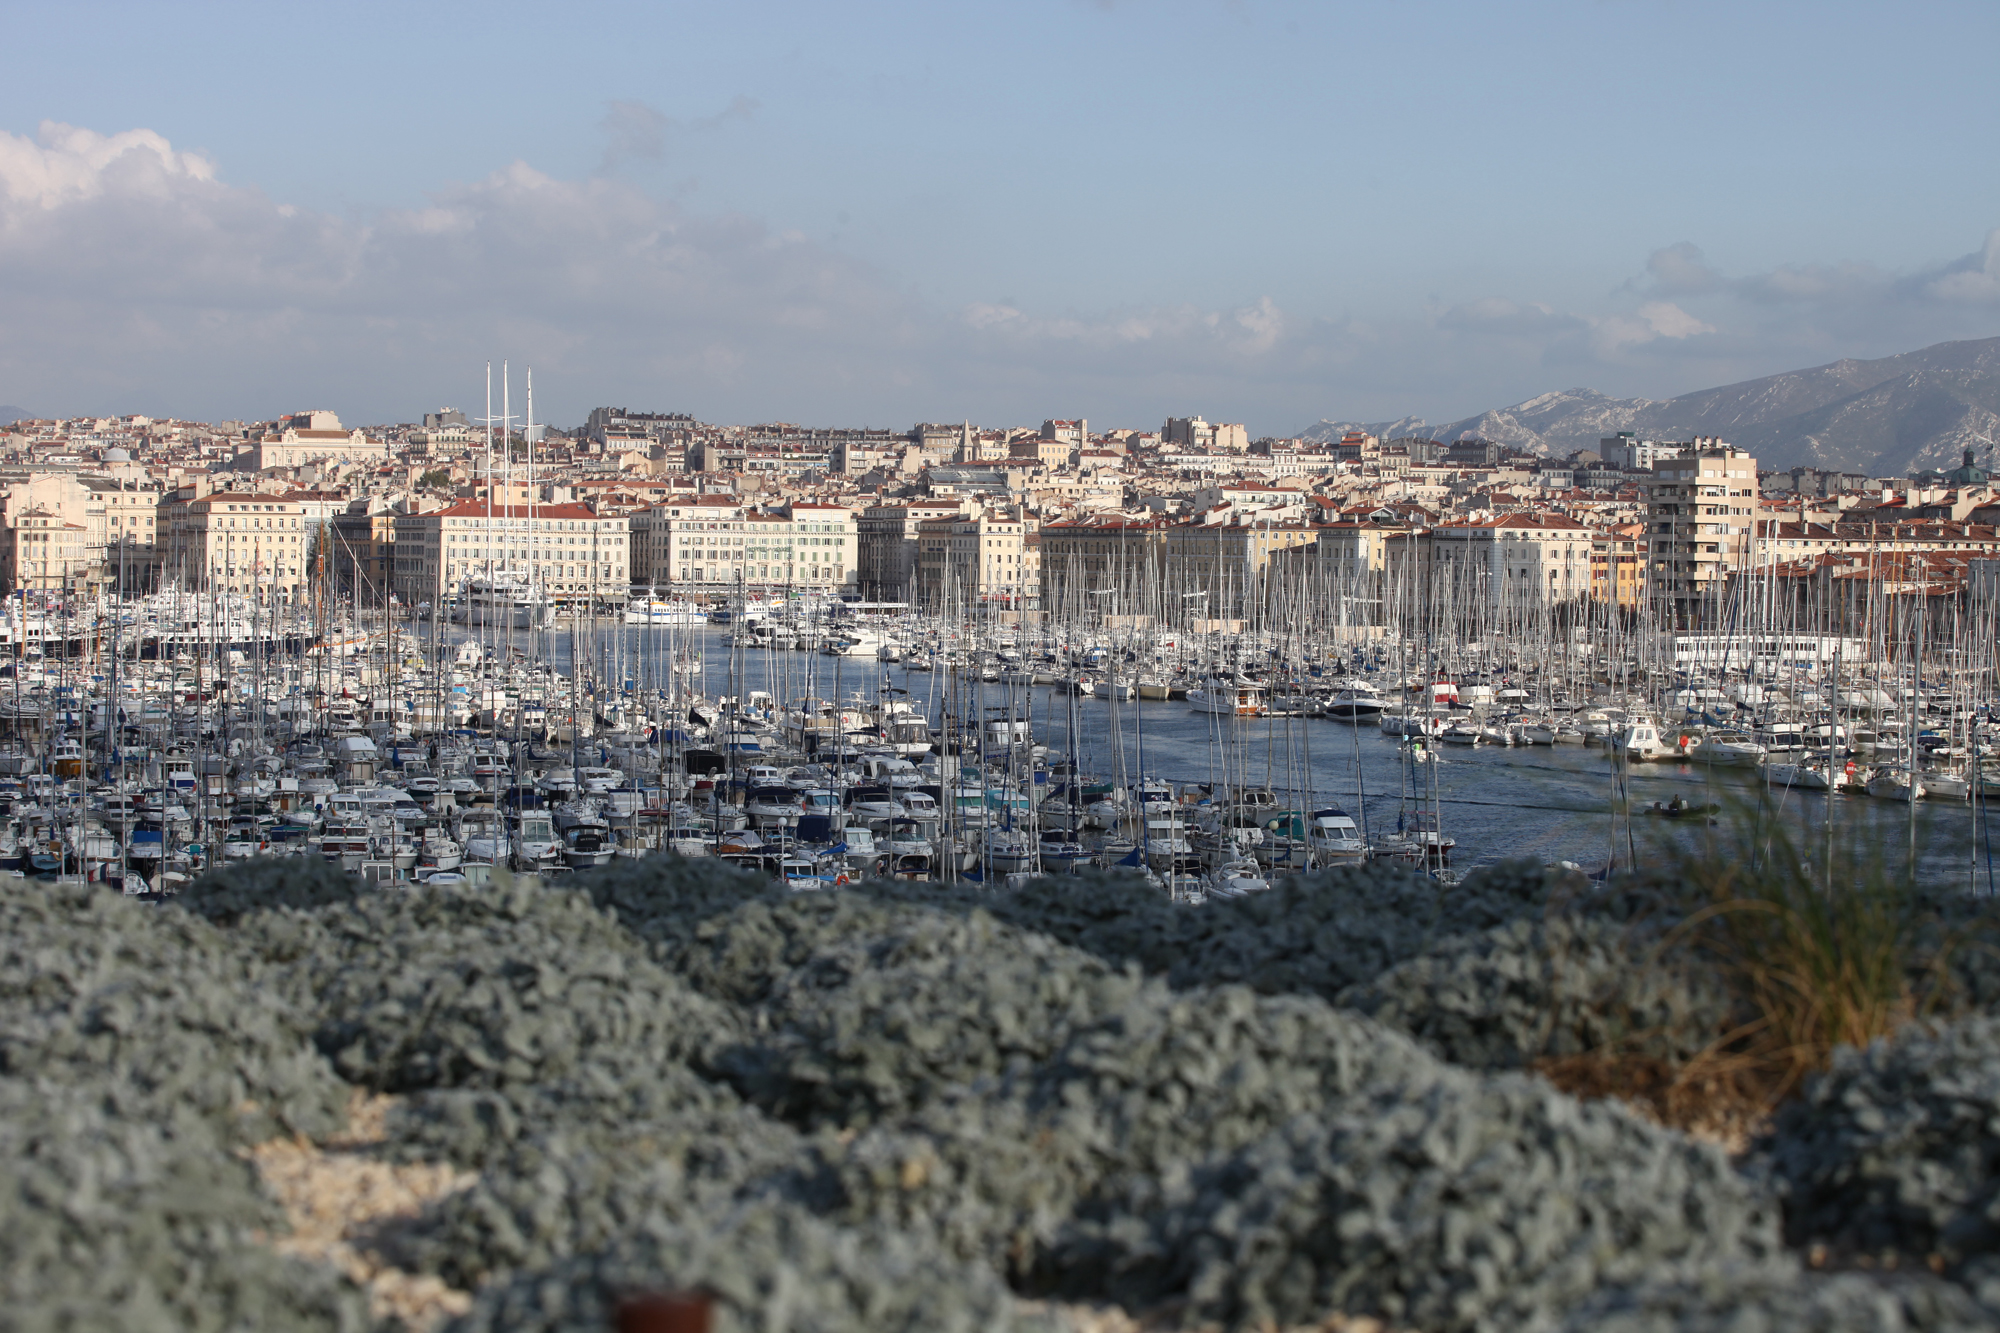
[{"x": 1576, "y": 803}]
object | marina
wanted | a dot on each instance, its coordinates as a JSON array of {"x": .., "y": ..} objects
[{"x": 819, "y": 745}]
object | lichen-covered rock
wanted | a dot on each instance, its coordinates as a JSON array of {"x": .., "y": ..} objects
[
  {"x": 773, "y": 1268},
  {"x": 664, "y": 899},
  {"x": 1456, "y": 1202},
  {"x": 109, "y": 1222},
  {"x": 1897, "y": 1147},
  {"x": 160, "y": 1013},
  {"x": 228, "y": 893},
  {"x": 883, "y": 1005},
  {"x": 1779, "y": 1298},
  {"x": 450, "y": 986},
  {"x": 1533, "y": 987},
  {"x": 559, "y": 1194}
]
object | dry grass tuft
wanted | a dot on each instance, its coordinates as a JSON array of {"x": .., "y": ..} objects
[
  {"x": 1818, "y": 957},
  {"x": 1715, "y": 1099}
]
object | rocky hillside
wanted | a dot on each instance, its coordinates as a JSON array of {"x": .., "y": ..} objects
[{"x": 1886, "y": 417}]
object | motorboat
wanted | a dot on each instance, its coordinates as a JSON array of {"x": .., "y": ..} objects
[
  {"x": 1643, "y": 741},
  {"x": 1418, "y": 841},
  {"x": 1061, "y": 851},
  {"x": 1895, "y": 784},
  {"x": 1228, "y": 699},
  {"x": 1810, "y": 775},
  {"x": 1237, "y": 879},
  {"x": 1680, "y": 808},
  {"x": 438, "y": 851},
  {"x": 1730, "y": 750},
  {"x": 587, "y": 842},
  {"x": 1008, "y": 851},
  {"x": 1334, "y": 839},
  {"x": 1356, "y": 702},
  {"x": 1943, "y": 785},
  {"x": 536, "y": 845},
  {"x": 509, "y": 601}
]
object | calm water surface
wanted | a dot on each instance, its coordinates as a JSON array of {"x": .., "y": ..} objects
[{"x": 1563, "y": 803}]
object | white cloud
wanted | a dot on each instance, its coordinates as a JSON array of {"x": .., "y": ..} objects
[
  {"x": 1668, "y": 320},
  {"x": 135, "y": 276},
  {"x": 1973, "y": 280},
  {"x": 70, "y": 164}
]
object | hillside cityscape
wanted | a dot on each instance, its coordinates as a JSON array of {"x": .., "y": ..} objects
[{"x": 1560, "y": 494}]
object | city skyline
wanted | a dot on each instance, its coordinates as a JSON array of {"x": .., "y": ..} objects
[{"x": 1128, "y": 211}]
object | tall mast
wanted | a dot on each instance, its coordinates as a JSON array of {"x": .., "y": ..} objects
[
  {"x": 489, "y": 475},
  {"x": 528, "y": 431},
  {"x": 506, "y": 449}
]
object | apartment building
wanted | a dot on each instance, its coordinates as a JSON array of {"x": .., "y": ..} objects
[
  {"x": 1229, "y": 557},
  {"x": 1202, "y": 437},
  {"x": 1347, "y": 553},
  {"x": 697, "y": 539},
  {"x": 309, "y": 437},
  {"x": 1515, "y": 559},
  {"x": 886, "y": 538},
  {"x": 234, "y": 541},
  {"x": 715, "y": 544},
  {"x": 41, "y": 552},
  {"x": 118, "y": 514},
  {"x": 981, "y": 559},
  {"x": 1618, "y": 565},
  {"x": 571, "y": 551},
  {"x": 809, "y": 547},
  {"x": 1084, "y": 555},
  {"x": 362, "y": 550},
  {"x": 1701, "y": 512}
]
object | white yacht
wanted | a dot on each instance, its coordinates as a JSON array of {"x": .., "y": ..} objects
[
  {"x": 648, "y": 611},
  {"x": 1334, "y": 838},
  {"x": 1730, "y": 750},
  {"x": 1357, "y": 701},
  {"x": 1645, "y": 742},
  {"x": 506, "y": 600},
  {"x": 1229, "y": 699}
]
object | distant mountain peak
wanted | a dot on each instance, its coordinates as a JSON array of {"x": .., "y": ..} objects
[{"x": 1885, "y": 417}]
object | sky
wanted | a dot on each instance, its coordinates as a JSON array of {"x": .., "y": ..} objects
[{"x": 874, "y": 214}]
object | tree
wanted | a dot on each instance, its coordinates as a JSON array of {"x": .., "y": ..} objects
[{"x": 436, "y": 479}]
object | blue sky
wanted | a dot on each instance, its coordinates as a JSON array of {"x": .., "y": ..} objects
[{"x": 881, "y": 213}]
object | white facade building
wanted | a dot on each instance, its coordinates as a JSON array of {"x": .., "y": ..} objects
[{"x": 570, "y": 551}]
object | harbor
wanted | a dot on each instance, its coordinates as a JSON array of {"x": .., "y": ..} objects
[{"x": 820, "y": 743}]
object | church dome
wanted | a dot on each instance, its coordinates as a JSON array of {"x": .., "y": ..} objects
[{"x": 1969, "y": 475}]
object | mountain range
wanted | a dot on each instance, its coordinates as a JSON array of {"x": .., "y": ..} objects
[
  {"x": 10, "y": 415},
  {"x": 1886, "y": 418}
]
